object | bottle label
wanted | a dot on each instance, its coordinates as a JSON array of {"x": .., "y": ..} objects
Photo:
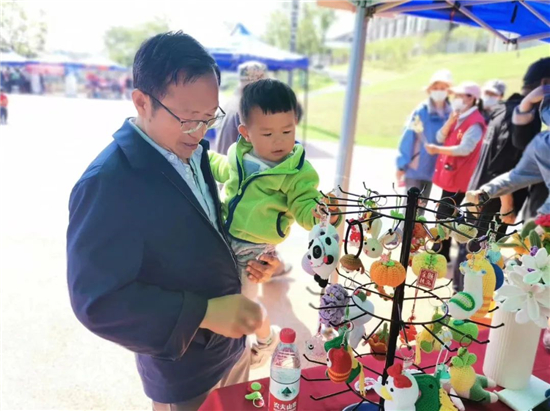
[{"x": 284, "y": 387}]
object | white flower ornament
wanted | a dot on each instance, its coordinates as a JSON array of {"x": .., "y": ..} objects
[
  {"x": 532, "y": 300},
  {"x": 539, "y": 266}
]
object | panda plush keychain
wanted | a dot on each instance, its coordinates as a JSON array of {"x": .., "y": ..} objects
[{"x": 323, "y": 251}]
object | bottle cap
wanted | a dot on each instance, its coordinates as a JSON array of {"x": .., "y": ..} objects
[{"x": 288, "y": 336}]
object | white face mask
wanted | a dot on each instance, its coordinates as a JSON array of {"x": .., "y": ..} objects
[
  {"x": 457, "y": 104},
  {"x": 438, "y": 95},
  {"x": 489, "y": 101}
]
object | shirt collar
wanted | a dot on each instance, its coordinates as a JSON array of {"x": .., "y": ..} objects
[
  {"x": 171, "y": 157},
  {"x": 433, "y": 111},
  {"x": 467, "y": 113}
]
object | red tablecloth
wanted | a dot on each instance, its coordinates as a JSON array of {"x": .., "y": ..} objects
[{"x": 232, "y": 398}]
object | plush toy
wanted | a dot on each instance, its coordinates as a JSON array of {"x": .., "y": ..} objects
[
  {"x": 465, "y": 381},
  {"x": 323, "y": 252},
  {"x": 379, "y": 343},
  {"x": 465, "y": 233},
  {"x": 427, "y": 342},
  {"x": 358, "y": 317},
  {"x": 432, "y": 395},
  {"x": 430, "y": 261},
  {"x": 466, "y": 303},
  {"x": 339, "y": 365},
  {"x": 335, "y": 296},
  {"x": 387, "y": 272},
  {"x": 372, "y": 247},
  {"x": 480, "y": 261},
  {"x": 466, "y": 328},
  {"x": 350, "y": 263},
  {"x": 400, "y": 391}
]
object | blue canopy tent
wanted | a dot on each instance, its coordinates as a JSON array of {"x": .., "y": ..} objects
[
  {"x": 513, "y": 21},
  {"x": 12, "y": 59},
  {"x": 241, "y": 46}
]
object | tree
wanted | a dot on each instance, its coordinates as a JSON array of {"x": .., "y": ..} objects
[
  {"x": 313, "y": 26},
  {"x": 123, "y": 42},
  {"x": 21, "y": 33}
]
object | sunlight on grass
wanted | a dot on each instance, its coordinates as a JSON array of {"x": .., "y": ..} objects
[{"x": 390, "y": 96}]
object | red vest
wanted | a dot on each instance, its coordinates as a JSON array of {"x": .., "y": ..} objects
[{"x": 453, "y": 173}]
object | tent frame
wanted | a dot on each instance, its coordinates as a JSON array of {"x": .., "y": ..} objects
[{"x": 364, "y": 11}]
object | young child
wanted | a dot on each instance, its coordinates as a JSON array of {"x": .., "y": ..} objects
[
  {"x": 3, "y": 107},
  {"x": 268, "y": 186}
]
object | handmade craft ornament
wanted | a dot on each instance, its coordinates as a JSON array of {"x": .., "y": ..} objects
[
  {"x": 359, "y": 314},
  {"x": 427, "y": 342},
  {"x": 387, "y": 272},
  {"x": 480, "y": 261},
  {"x": 351, "y": 263},
  {"x": 432, "y": 396},
  {"x": 465, "y": 331},
  {"x": 372, "y": 247},
  {"x": 400, "y": 391},
  {"x": 339, "y": 365},
  {"x": 379, "y": 343},
  {"x": 333, "y": 304},
  {"x": 428, "y": 267},
  {"x": 465, "y": 381},
  {"x": 392, "y": 239},
  {"x": 354, "y": 238},
  {"x": 356, "y": 368},
  {"x": 420, "y": 230},
  {"x": 315, "y": 347},
  {"x": 323, "y": 252},
  {"x": 464, "y": 234},
  {"x": 466, "y": 303}
]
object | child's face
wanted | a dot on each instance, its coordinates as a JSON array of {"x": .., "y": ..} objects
[{"x": 271, "y": 135}]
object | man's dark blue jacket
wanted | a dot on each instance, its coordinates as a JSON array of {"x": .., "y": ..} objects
[{"x": 143, "y": 259}]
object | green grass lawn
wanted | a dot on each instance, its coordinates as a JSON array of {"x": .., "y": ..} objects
[{"x": 391, "y": 95}]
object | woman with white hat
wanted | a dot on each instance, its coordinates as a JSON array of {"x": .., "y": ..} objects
[
  {"x": 414, "y": 164},
  {"x": 462, "y": 137}
]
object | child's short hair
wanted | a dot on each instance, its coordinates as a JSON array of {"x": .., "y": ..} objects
[{"x": 270, "y": 95}]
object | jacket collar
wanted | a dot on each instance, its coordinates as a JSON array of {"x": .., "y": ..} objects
[
  {"x": 140, "y": 153},
  {"x": 291, "y": 164}
]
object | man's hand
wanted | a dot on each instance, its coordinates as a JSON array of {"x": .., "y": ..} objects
[
  {"x": 473, "y": 196},
  {"x": 261, "y": 270},
  {"x": 533, "y": 98},
  {"x": 232, "y": 316},
  {"x": 432, "y": 149}
]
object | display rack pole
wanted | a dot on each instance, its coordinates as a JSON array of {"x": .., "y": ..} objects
[{"x": 397, "y": 308}]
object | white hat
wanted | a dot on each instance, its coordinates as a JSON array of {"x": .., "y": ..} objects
[
  {"x": 252, "y": 71},
  {"x": 495, "y": 86},
  {"x": 443, "y": 76},
  {"x": 467, "y": 87}
]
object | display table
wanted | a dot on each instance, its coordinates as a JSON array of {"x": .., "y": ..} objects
[{"x": 232, "y": 398}]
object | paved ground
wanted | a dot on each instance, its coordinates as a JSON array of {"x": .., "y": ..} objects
[{"x": 49, "y": 361}]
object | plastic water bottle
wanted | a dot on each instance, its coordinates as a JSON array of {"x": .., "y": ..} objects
[{"x": 284, "y": 385}]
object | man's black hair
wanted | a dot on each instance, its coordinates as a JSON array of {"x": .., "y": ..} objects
[
  {"x": 168, "y": 58},
  {"x": 271, "y": 96},
  {"x": 535, "y": 73}
]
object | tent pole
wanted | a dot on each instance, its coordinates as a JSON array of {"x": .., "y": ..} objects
[
  {"x": 351, "y": 105},
  {"x": 535, "y": 12},
  {"x": 476, "y": 19}
]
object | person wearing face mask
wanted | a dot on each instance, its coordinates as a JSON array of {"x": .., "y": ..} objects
[
  {"x": 462, "y": 137},
  {"x": 527, "y": 124},
  {"x": 492, "y": 95},
  {"x": 498, "y": 156},
  {"x": 414, "y": 164},
  {"x": 533, "y": 167}
]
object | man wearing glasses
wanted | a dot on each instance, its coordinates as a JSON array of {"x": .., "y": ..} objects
[{"x": 149, "y": 266}]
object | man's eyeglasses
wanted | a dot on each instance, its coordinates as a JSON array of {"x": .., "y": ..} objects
[{"x": 190, "y": 126}]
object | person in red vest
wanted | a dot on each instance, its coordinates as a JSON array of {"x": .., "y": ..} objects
[
  {"x": 3, "y": 107},
  {"x": 461, "y": 138}
]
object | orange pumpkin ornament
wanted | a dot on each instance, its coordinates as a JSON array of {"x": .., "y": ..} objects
[{"x": 387, "y": 272}]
